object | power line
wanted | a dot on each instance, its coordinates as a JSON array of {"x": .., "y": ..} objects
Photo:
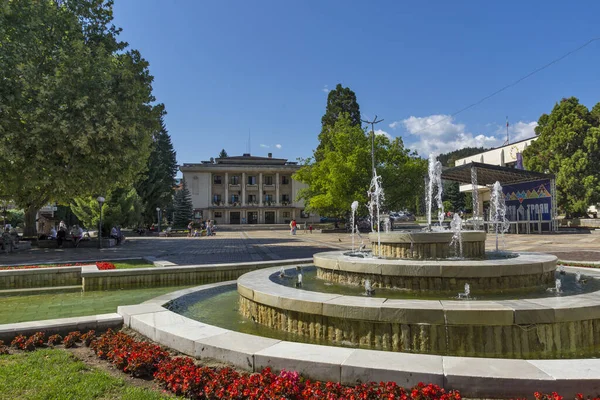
[{"x": 510, "y": 84}]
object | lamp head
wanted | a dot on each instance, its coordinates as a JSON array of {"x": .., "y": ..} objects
[{"x": 100, "y": 200}]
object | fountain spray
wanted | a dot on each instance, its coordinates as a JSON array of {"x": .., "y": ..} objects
[
  {"x": 434, "y": 185},
  {"x": 354, "y": 207},
  {"x": 501, "y": 223},
  {"x": 376, "y": 197},
  {"x": 456, "y": 242}
]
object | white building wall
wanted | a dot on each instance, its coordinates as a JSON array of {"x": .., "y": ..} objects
[{"x": 201, "y": 198}]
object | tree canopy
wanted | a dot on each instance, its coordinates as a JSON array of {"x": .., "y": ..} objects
[
  {"x": 122, "y": 207},
  {"x": 568, "y": 146},
  {"x": 76, "y": 105},
  {"x": 343, "y": 174},
  {"x": 223, "y": 154},
  {"x": 340, "y": 100}
]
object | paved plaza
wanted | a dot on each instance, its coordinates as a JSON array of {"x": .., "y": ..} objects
[{"x": 265, "y": 245}]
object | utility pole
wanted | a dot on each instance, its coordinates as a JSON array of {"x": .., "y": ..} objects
[{"x": 375, "y": 121}]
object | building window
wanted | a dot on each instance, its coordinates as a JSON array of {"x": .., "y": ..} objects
[
  {"x": 218, "y": 214},
  {"x": 285, "y": 180},
  {"x": 195, "y": 186},
  {"x": 252, "y": 180},
  {"x": 235, "y": 180},
  {"x": 269, "y": 198},
  {"x": 217, "y": 179},
  {"x": 285, "y": 198},
  {"x": 251, "y": 198},
  {"x": 216, "y": 198},
  {"x": 235, "y": 198},
  {"x": 304, "y": 214},
  {"x": 268, "y": 180},
  {"x": 286, "y": 214}
]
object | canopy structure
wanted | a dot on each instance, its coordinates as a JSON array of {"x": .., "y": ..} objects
[
  {"x": 488, "y": 174},
  {"x": 483, "y": 176}
]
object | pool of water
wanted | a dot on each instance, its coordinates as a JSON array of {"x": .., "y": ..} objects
[
  {"x": 569, "y": 287},
  {"x": 50, "y": 305},
  {"x": 219, "y": 307},
  {"x": 489, "y": 255}
]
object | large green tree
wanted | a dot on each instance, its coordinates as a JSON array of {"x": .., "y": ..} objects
[
  {"x": 343, "y": 174},
  {"x": 568, "y": 146},
  {"x": 76, "y": 105},
  {"x": 156, "y": 187},
  {"x": 339, "y": 101},
  {"x": 122, "y": 207}
]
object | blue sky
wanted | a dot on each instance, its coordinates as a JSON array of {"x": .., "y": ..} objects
[{"x": 229, "y": 69}]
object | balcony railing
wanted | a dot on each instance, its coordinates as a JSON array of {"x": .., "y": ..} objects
[
  {"x": 268, "y": 187},
  {"x": 250, "y": 186},
  {"x": 233, "y": 186}
]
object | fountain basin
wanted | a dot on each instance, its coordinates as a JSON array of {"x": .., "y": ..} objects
[
  {"x": 526, "y": 270},
  {"x": 422, "y": 245},
  {"x": 534, "y": 328}
]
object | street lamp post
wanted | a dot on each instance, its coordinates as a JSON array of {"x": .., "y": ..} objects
[
  {"x": 100, "y": 200},
  {"x": 158, "y": 217}
]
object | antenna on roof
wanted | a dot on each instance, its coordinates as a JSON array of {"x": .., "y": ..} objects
[
  {"x": 249, "y": 142},
  {"x": 507, "y": 138}
]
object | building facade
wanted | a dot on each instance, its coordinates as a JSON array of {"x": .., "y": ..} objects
[
  {"x": 246, "y": 190},
  {"x": 505, "y": 156}
]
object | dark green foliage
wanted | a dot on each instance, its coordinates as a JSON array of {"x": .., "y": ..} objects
[
  {"x": 122, "y": 207},
  {"x": 454, "y": 196},
  {"x": 76, "y": 106},
  {"x": 448, "y": 159},
  {"x": 156, "y": 188},
  {"x": 183, "y": 207},
  {"x": 568, "y": 146},
  {"x": 223, "y": 154},
  {"x": 340, "y": 100}
]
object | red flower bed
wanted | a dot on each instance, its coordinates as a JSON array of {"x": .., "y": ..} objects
[
  {"x": 183, "y": 377},
  {"x": 105, "y": 265}
]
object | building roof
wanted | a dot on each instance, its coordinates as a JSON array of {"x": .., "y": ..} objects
[
  {"x": 488, "y": 174},
  {"x": 246, "y": 160}
]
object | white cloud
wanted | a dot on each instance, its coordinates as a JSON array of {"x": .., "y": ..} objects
[
  {"x": 395, "y": 124},
  {"x": 325, "y": 89},
  {"x": 264, "y": 146},
  {"x": 278, "y": 146},
  {"x": 518, "y": 131},
  {"x": 441, "y": 134},
  {"x": 383, "y": 133}
]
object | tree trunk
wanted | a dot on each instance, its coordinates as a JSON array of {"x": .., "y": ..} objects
[{"x": 30, "y": 221}]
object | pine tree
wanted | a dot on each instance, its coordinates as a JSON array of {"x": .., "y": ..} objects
[
  {"x": 184, "y": 209},
  {"x": 223, "y": 154},
  {"x": 157, "y": 185}
]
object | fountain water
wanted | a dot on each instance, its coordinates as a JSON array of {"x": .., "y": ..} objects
[
  {"x": 557, "y": 285},
  {"x": 578, "y": 277},
  {"x": 434, "y": 185},
  {"x": 369, "y": 291},
  {"x": 465, "y": 295},
  {"x": 282, "y": 272},
  {"x": 475, "y": 192},
  {"x": 386, "y": 224},
  {"x": 456, "y": 228},
  {"x": 299, "y": 280},
  {"x": 501, "y": 223},
  {"x": 376, "y": 197},
  {"x": 354, "y": 207}
]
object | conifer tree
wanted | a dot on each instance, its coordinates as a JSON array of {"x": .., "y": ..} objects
[{"x": 184, "y": 209}]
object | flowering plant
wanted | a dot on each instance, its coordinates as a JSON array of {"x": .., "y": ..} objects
[
  {"x": 54, "y": 340},
  {"x": 72, "y": 338},
  {"x": 104, "y": 265},
  {"x": 88, "y": 337}
]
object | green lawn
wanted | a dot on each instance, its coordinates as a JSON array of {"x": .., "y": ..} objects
[
  {"x": 56, "y": 374},
  {"x": 132, "y": 264},
  {"x": 35, "y": 307}
]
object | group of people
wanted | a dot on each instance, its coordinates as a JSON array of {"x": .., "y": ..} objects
[
  {"x": 294, "y": 227},
  {"x": 63, "y": 232},
  {"x": 208, "y": 225},
  {"x": 10, "y": 239}
]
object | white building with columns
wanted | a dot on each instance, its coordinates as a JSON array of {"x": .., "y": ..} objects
[{"x": 246, "y": 190}]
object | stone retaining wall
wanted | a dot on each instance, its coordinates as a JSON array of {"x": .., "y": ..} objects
[
  {"x": 451, "y": 285},
  {"x": 550, "y": 340},
  {"x": 39, "y": 277},
  {"x": 427, "y": 251},
  {"x": 94, "y": 279}
]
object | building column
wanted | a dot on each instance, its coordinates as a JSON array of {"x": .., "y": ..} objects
[
  {"x": 243, "y": 188},
  {"x": 277, "y": 202},
  {"x": 226, "y": 202},
  {"x": 260, "y": 190},
  {"x": 210, "y": 183}
]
